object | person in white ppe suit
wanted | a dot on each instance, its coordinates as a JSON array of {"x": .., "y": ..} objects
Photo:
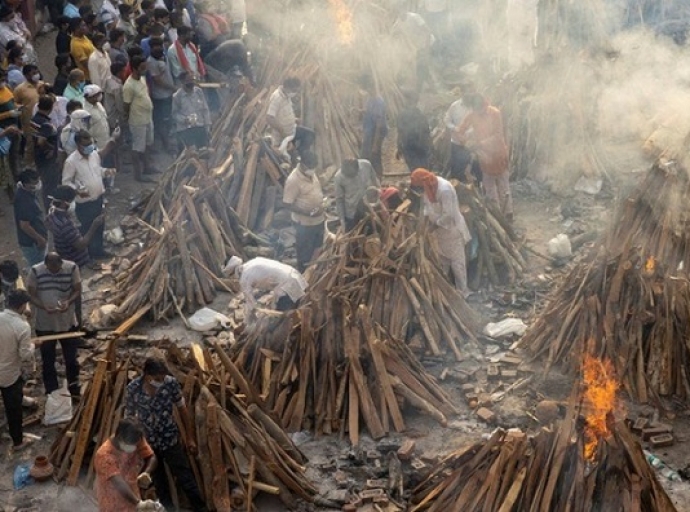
[{"x": 265, "y": 275}]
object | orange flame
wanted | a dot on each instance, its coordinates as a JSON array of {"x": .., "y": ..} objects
[
  {"x": 343, "y": 17},
  {"x": 649, "y": 266},
  {"x": 599, "y": 399}
]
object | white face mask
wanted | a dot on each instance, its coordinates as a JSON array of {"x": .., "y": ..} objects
[
  {"x": 36, "y": 77},
  {"x": 128, "y": 448},
  {"x": 308, "y": 172}
]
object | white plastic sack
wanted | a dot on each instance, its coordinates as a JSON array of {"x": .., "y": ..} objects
[
  {"x": 559, "y": 247},
  {"x": 58, "y": 406},
  {"x": 206, "y": 319},
  {"x": 505, "y": 328}
]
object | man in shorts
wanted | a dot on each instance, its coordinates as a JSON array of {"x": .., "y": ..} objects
[{"x": 139, "y": 116}]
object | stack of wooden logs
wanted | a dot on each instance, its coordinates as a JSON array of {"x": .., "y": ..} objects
[
  {"x": 241, "y": 450},
  {"x": 630, "y": 300},
  {"x": 345, "y": 354},
  {"x": 546, "y": 472},
  {"x": 499, "y": 260},
  {"x": 191, "y": 232}
]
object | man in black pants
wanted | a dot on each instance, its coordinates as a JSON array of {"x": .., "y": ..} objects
[
  {"x": 15, "y": 349},
  {"x": 55, "y": 290},
  {"x": 151, "y": 399},
  {"x": 414, "y": 135}
]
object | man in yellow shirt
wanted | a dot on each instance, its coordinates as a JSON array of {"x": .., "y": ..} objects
[
  {"x": 139, "y": 116},
  {"x": 81, "y": 46}
]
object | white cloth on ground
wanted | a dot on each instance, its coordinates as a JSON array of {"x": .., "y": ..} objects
[{"x": 270, "y": 276}]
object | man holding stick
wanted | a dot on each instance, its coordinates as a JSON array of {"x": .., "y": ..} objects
[
  {"x": 55, "y": 288},
  {"x": 352, "y": 182}
]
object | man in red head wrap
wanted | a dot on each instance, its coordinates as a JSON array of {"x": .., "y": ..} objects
[{"x": 449, "y": 227}]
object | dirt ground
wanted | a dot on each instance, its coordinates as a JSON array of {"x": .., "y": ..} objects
[{"x": 540, "y": 215}]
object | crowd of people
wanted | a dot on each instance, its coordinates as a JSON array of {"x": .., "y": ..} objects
[{"x": 128, "y": 75}]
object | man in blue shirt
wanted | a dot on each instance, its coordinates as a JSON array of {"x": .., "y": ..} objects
[{"x": 151, "y": 399}]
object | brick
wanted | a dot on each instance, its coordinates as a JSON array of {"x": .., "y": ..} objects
[
  {"x": 375, "y": 484},
  {"x": 639, "y": 424},
  {"x": 656, "y": 430},
  {"x": 382, "y": 500},
  {"x": 370, "y": 494},
  {"x": 511, "y": 359},
  {"x": 662, "y": 440},
  {"x": 492, "y": 372},
  {"x": 508, "y": 374},
  {"x": 405, "y": 451},
  {"x": 486, "y": 415}
]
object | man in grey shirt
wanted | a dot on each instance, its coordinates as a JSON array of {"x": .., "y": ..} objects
[
  {"x": 15, "y": 348},
  {"x": 162, "y": 90},
  {"x": 351, "y": 182},
  {"x": 54, "y": 287}
]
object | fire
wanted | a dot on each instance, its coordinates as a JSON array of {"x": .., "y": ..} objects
[
  {"x": 649, "y": 266},
  {"x": 600, "y": 387},
  {"x": 343, "y": 17}
]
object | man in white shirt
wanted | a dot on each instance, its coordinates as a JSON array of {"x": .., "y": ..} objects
[
  {"x": 284, "y": 282},
  {"x": 98, "y": 127},
  {"x": 16, "y": 350},
  {"x": 282, "y": 120},
  {"x": 303, "y": 196},
  {"x": 99, "y": 61},
  {"x": 460, "y": 155},
  {"x": 84, "y": 173}
]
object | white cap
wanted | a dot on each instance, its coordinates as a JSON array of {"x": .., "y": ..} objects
[
  {"x": 232, "y": 265},
  {"x": 80, "y": 114},
  {"x": 91, "y": 90}
]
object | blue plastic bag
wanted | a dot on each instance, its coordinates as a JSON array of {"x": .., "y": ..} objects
[{"x": 22, "y": 478}]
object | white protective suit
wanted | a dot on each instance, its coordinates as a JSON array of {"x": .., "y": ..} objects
[
  {"x": 267, "y": 275},
  {"x": 451, "y": 233}
]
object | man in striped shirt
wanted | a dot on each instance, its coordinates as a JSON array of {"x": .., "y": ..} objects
[
  {"x": 67, "y": 239},
  {"x": 55, "y": 288}
]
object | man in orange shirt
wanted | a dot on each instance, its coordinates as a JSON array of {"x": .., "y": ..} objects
[
  {"x": 27, "y": 94},
  {"x": 122, "y": 464},
  {"x": 482, "y": 132}
]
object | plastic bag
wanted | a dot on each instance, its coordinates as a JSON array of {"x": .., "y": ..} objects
[
  {"x": 58, "y": 406},
  {"x": 559, "y": 247},
  {"x": 22, "y": 477},
  {"x": 505, "y": 328},
  {"x": 206, "y": 319}
]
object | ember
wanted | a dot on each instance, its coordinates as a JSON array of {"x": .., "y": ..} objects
[{"x": 343, "y": 17}]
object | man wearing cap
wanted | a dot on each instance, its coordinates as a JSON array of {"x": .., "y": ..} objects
[
  {"x": 284, "y": 282},
  {"x": 352, "y": 181},
  {"x": 303, "y": 196},
  {"x": 75, "y": 87},
  {"x": 98, "y": 127},
  {"x": 80, "y": 119},
  {"x": 31, "y": 230},
  {"x": 99, "y": 61},
  {"x": 84, "y": 173}
]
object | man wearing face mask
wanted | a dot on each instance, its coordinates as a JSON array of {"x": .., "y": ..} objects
[
  {"x": 84, "y": 173},
  {"x": 69, "y": 242},
  {"x": 122, "y": 464},
  {"x": 304, "y": 198},
  {"x": 151, "y": 399},
  {"x": 46, "y": 147},
  {"x": 75, "y": 88},
  {"x": 16, "y": 350},
  {"x": 26, "y": 94},
  {"x": 191, "y": 114},
  {"x": 55, "y": 289},
  {"x": 282, "y": 120},
  {"x": 28, "y": 216}
]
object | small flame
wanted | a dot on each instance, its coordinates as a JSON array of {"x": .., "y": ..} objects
[
  {"x": 343, "y": 17},
  {"x": 649, "y": 266},
  {"x": 599, "y": 399}
]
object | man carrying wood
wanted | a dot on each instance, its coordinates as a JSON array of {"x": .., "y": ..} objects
[
  {"x": 16, "y": 349},
  {"x": 352, "y": 181},
  {"x": 448, "y": 226},
  {"x": 284, "y": 282},
  {"x": 55, "y": 288},
  {"x": 121, "y": 464},
  {"x": 151, "y": 399},
  {"x": 304, "y": 198}
]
